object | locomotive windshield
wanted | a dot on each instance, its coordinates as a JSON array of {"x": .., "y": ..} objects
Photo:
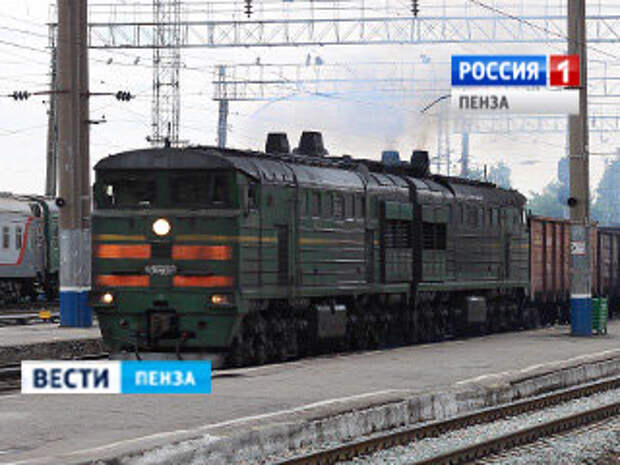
[
  {"x": 200, "y": 189},
  {"x": 165, "y": 189},
  {"x": 128, "y": 191}
]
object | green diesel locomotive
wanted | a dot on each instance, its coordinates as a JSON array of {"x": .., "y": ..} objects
[{"x": 246, "y": 257}]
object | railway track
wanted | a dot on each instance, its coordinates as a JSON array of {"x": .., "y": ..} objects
[
  {"x": 13, "y": 307},
  {"x": 473, "y": 452},
  {"x": 25, "y": 318}
]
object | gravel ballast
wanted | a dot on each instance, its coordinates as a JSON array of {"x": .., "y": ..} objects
[
  {"x": 596, "y": 444},
  {"x": 430, "y": 447}
]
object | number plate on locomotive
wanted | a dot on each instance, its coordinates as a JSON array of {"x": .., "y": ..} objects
[{"x": 160, "y": 270}]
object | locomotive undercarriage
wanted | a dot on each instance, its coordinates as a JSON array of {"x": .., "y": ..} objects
[{"x": 278, "y": 330}]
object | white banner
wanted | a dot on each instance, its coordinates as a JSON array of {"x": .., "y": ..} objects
[
  {"x": 71, "y": 377},
  {"x": 499, "y": 100}
]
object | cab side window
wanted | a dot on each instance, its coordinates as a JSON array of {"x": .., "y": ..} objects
[
  {"x": 328, "y": 205},
  {"x": 359, "y": 206},
  {"x": 316, "y": 204},
  {"x": 252, "y": 195}
]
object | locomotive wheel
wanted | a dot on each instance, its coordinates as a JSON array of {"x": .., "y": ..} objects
[
  {"x": 440, "y": 324},
  {"x": 236, "y": 356},
  {"x": 423, "y": 327}
]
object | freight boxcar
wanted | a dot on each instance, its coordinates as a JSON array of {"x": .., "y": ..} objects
[
  {"x": 550, "y": 266},
  {"x": 608, "y": 252}
]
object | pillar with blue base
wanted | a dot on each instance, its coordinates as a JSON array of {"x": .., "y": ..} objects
[
  {"x": 581, "y": 315},
  {"x": 580, "y": 280},
  {"x": 74, "y": 309}
]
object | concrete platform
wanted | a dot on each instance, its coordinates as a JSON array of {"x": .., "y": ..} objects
[
  {"x": 49, "y": 341},
  {"x": 256, "y": 407}
]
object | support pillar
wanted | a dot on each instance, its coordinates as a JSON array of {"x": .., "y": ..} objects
[
  {"x": 74, "y": 167},
  {"x": 579, "y": 201}
]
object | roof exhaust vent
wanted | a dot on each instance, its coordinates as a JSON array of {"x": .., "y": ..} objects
[
  {"x": 390, "y": 157},
  {"x": 311, "y": 144},
  {"x": 277, "y": 142},
  {"x": 420, "y": 163}
]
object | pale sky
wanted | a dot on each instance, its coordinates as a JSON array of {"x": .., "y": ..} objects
[{"x": 359, "y": 124}]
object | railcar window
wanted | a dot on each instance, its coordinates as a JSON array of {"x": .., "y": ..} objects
[
  {"x": 398, "y": 234},
  {"x": 434, "y": 236},
  {"x": 6, "y": 238},
  {"x": 472, "y": 217},
  {"x": 338, "y": 204},
  {"x": 349, "y": 206},
  {"x": 328, "y": 209},
  {"x": 18, "y": 237},
  {"x": 373, "y": 207},
  {"x": 359, "y": 206}
]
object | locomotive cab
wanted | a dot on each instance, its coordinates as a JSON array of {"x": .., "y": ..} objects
[{"x": 165, "y": 229}]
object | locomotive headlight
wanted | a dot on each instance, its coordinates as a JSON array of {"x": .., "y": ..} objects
[
  {"x": 107, "y": 298},
  {"x": 161, "y": 227},
  {"x": 221, "y": 299}
]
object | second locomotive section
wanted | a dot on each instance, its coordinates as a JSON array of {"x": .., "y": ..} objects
[{"x": 260, "y": 257}]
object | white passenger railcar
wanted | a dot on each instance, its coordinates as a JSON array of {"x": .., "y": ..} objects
[{"x": 28, "y": 247}]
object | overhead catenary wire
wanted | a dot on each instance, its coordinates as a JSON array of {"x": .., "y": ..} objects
[{"x": 538, "y": 27}]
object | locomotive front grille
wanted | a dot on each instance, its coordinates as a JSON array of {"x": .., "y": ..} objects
[
  {"x": 162, "y": 324},
  {"x": 161, "y": 250}
]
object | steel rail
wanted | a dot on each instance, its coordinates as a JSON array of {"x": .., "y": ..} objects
[
  {"x": 382, "y": 441},
  {"x": 17, "y": 319},
  {"x": 522, "y": 436}
]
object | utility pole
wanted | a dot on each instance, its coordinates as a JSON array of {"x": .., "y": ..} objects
[
  {"x": 222, "y": 123},
  {"x": 579, "y": 201},
  {"x": 52, "y": 128},
  {"x": 464, "y": 154},
  {"x": 74, "y": 168}
]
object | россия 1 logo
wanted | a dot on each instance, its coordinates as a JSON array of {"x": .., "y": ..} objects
[
  {"x": 515, "y": 70},
  {"x": 534, "y": 84}
]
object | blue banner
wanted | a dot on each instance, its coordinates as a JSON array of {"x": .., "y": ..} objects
[
  {"x": 499, "y": 70},
  {"x": 166, "y": 377}
]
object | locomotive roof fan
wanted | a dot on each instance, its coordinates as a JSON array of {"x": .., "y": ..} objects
[
  {"x": 420, "y": 163},
  {"x": 277, "y": 142},
  {"x": 311, "y": 144},
  {"x": 390, "y": 157}
]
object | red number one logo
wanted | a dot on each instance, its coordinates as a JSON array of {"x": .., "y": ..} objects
[{"x": 564, "y": 70}]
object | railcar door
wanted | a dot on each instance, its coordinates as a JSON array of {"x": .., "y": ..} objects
[
  {"x": 369, "y": 252},
  {"x": 283, "y": 214}
]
